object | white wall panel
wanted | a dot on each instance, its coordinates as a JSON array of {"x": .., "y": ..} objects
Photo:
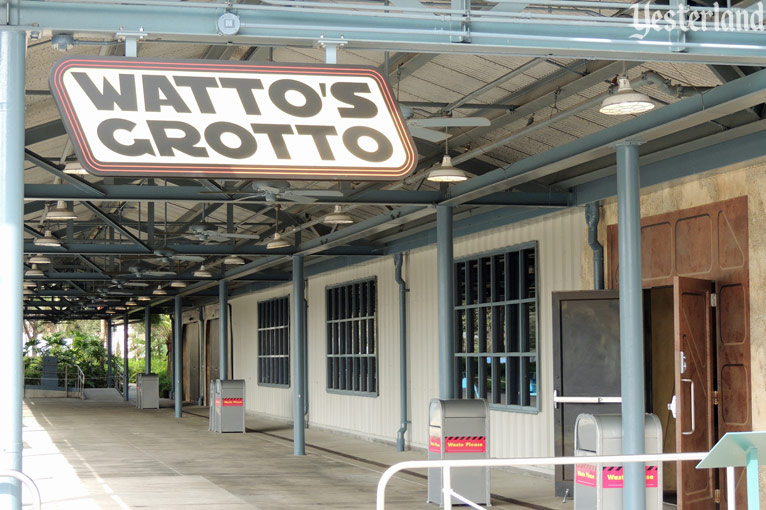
[
  {"x": 277, "y": 402},
  {"x": 559, "y": 238}
]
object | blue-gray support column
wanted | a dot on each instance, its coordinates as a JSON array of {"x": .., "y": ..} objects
[
  {"x": 444, "y": 277},
  {"x": 109, "y": 382},
  {"x": 299, "y": 340},
  {"x": 223, "y": 329},
  {"x": 177, "y": 368},
  {"x": 148, "y": 339},
  {"x": 125, "y": 368},
  {"x": 631, "y": 321},
  {"x": 12, "y": 46}
]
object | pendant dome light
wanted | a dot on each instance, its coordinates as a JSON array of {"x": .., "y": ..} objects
[
  {"x": 178, "y": 284},
  {"x": 47, "y": 240},
  {"x": 61, "y": 212},
  {"x": 278, "y": 242},
  {"x": 39, "y": 259},
  {"x": 33, "y": 272},
  {"x": 625, "y": 100},
  {"x": 338, "y": 217},
  {"x": 234, "y": 260},
  {"x": 446, "y": 172},
  {"x": 202, "y": 272}
]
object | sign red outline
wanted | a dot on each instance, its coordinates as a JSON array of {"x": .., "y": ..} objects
[{"x": 91, "y": 164}]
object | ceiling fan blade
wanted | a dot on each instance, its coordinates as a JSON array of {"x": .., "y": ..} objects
[
  {"x": 314, "y": 192},
  {"x": 158, "y": 273},
  {"x": 136, "y": 284},
  {"x": 240, "y": 236},
  {"x": 429, "y": 134},
  {"x": 188, "y": 258},
  {"x": 449, "y": 122}
]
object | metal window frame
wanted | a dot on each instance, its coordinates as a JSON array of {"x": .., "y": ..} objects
[
  {"x": 352, "y": 337},
  {"x": 533, "y": 355},
  {"x": 266, "y": 377}
]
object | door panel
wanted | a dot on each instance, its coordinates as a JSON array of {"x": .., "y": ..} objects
[
  {"x": 695, "y": 425},
  {"x": 190, "y": 361},
  {"x": 586, "y": 357},
  {"x": 211, "y": 354}
]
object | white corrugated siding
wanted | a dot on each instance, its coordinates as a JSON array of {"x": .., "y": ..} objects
[
  {"x": 559, "y": 238},
  {"x": 277, "y": 402}
]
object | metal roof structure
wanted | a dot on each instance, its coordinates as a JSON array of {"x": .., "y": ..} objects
[{"x": 537, "y": 71}]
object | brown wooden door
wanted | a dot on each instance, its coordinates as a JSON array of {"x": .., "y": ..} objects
[{"x": 695, "y": 424}]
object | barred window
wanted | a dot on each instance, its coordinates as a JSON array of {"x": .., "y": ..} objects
[
  {"x": 274, "y": 342},
  {"x": 496, "y": 328},
  {"x": 352, "y": 365}
]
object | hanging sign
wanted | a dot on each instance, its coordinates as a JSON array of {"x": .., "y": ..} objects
[{"x": 195, "y": 118}]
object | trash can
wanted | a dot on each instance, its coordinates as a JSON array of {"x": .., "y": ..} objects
[
  {"x": 147, "y": 391},
  {"x": 599, "y": 487},
  {"x": 459, "y": 429},
  {"x": 229, "y": 415}
]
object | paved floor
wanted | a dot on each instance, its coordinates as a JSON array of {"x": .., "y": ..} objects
[{"x": 102, "y": 454}]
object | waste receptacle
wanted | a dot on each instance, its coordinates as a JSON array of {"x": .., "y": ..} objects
[
  {"x": 147, "y": 391},
  {"x": 599, "y": 487},
  {"x": 229, "y": 415},
  {"x": 459, "y": 429}
]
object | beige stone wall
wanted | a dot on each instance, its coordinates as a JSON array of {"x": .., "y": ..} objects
[{"x": 700, "y": 190}]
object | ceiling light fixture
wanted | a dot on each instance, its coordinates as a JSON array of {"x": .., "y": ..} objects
[
  {"x": 33, "y": 272},
  {"x": 159, "y": 291},
  {"x": 61, "y": 212},
  {"x": 446, "y": 172},
  {"x": 277, "y": 242},
  {"x": 130, "y": 302},
  {"x": 202, "y": 272},
  {"x": 47, "y": 240},
  {"x": 111, "y": 312},
  {"x": 178, "y": 284},
  {"x": 144, "y": 298},
  {"x": 234, "y": 260},
  {"x": 74, "y": 168},
  {"x": 120, "y": 308},
  {"x": 39, "y": 259},
  {"x": 28, "y": 285},
  {"x": 338, "y": 217},
  {"x": 625, "y": 100},
  {"x": 28, "y": 292}
]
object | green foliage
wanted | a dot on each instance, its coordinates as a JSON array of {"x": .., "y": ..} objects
[
  {"x": 85, "y": 350},
  {"x": 159, "y": 367}
]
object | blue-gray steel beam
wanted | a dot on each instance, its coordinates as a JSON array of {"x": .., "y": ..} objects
[
  {"x": 43, "y": 132},
  {"x": 148, "y": 339},
  {"x": 177, "y": 359},
  {"x": 223, "y": 329},
  {"x": 445, "y": 283},
  {"x": 125, "y": 367},
  {"x": 631, "y": 321},
  {"x": 129, "y": 193},
  {"x": 663, "y": 121},
  {"x": 98, "y": 277},
  {"x": 12, "y": 53},
  {"x": 419, "y": 31},
  {"x": 299, "y": 340},
  {"x": 86, "y": 189},
  {"x": 187, "y": 249},
  {"x": 109, "y": 360},
  {"x": 114, "y": 224}
]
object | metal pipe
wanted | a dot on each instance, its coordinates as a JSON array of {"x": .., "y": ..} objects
[
  {"x": 299, "y": 335},
  {"x": 592, "y": 217},
  {"x": 177, "y": 362},
  {"x": 631, "y": 321},
  {"x": 668, "y": 88},
  {"x": 12, "y": 47},
  {"x": 125, "y": 367},
  {"x": 223, "y": 330},
  {"x": 444, "y": 276},
  {"x": 148, "y": 340},
  {"x": 398, "y": 259},
  {"x": 109, "y": 369}
]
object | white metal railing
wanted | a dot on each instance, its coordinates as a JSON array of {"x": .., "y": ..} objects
[
  {"x": 447, "y": 466},
  {"x": 10, "y": 473}
]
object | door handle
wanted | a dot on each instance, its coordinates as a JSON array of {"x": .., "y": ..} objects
[
  {"x": 691, "y": 405},
  {"x": 583, "y": 400}
]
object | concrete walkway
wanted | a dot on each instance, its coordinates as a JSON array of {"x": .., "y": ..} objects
[{"x": 108, "y": 455}]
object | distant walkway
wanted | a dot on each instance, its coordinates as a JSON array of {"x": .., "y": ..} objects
[
  {"x": 102, "y": 395},
  {"x": 106, "y": 454}
]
